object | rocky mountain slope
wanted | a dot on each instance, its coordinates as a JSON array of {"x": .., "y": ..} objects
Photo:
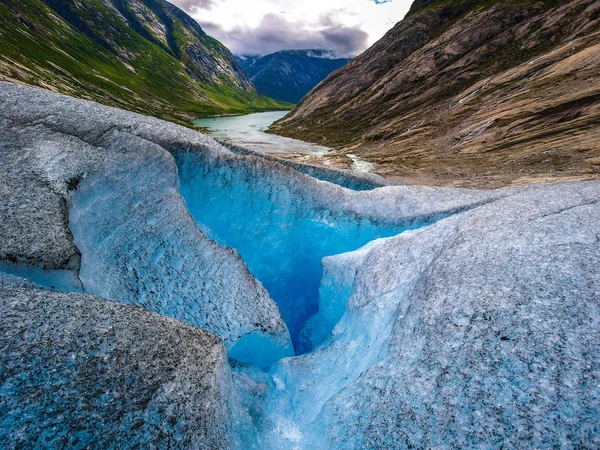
[
  {"x": 469, "y": 93},
  {"x": 289, "y": 75},
  {"x": 143, "y": 55}
]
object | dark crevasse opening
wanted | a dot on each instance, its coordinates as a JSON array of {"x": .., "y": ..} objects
[{"x": 278, "y": 225}]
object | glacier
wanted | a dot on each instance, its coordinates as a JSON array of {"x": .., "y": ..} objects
[
  {"x": 263, "y": 304},
  {"x": 75, "y": 193},
  {"x": 479, "y": 330},
  {"x": 91, "y": 373},
  {"x": 284, "y": 223},
  {"x": 281, "y": 230}
]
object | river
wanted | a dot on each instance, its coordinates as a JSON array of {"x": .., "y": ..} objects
[{"x": 249, "y": 131}]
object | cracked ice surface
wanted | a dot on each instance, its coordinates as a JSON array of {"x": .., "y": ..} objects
[
  {"x": 99, "y": 200},
  {"x": 114, "y": 376},
  {"x": 280, "y": 229},
  {"x": 477, "y": 327},
  {"x": 284, "y": 223},
  {"x": 481, "y": 329}
]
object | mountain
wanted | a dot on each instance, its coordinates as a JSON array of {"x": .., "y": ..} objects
[
  {"x": 246, "y": 61},
  {"x": 289, "y": 75},
  {"x": 469, "y": 93},
  {"x": 147, "y": 56}
]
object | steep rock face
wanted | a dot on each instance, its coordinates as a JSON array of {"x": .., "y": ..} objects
[
  {"x": 88, "y": 373},
  {"x": 469, "y": 93},
  {"x": 289, "y": 75},
  {"x": 143, "y": 55},
  {"x": 90, "y": 202}
]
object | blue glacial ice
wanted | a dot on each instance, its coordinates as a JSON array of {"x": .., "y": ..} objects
[
  {"x": 476, "y": 329},
  {"x": 421, "y": 317},
  {"x": 281, "y": 231},
  {"x": 139, "y": 245}
]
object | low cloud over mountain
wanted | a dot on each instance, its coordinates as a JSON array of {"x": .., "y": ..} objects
[
  {"x": 275, "y": 33},
  {"x": 347, "y": 27}
]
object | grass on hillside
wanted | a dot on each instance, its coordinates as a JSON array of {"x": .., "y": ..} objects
[{"x": 38, "y": 47}]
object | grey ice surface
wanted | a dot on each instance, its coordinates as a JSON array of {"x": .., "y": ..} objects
[
  {"x": 78, "y": 371},
  {"x": 480, "y": 331},
  {"x": 477, "y": 328}
]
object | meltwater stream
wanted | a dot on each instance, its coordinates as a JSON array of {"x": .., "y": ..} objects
[{"x": 249, "y": 131}]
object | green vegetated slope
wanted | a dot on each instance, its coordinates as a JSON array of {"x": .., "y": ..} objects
[{"x": 147, "y": 56}]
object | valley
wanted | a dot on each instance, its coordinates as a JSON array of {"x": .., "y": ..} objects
[
  {"x": 249, "y": 131},
  {"x": 297, "y": 248}
]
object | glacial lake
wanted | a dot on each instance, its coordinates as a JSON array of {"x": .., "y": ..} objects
[{"x": 249, "y": 131}]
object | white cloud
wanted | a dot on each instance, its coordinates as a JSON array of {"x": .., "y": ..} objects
[{"x": 265, "y": 26}]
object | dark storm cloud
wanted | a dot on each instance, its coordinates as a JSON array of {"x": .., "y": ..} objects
[
  {"x": 276, "y": 33},
  {"x": 192, "y": 5}
]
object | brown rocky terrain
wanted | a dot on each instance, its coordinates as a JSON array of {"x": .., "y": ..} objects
[{"x": 468, "y": 93}]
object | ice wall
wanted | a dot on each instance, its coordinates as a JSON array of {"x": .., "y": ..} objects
[
  {"x": 479, "y": 330},
  {"x": 92, "y": 205},
  {"x": 283, "y": 223},
  {"x": 139, "y": 245},
  {"x": 281, "y": 230}
]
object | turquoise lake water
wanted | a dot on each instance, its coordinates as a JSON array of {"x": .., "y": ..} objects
[{"x": 249, "y": 131}]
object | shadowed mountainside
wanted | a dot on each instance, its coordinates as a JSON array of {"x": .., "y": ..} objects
[
  {"x": 469, "y": 93},
  {"x": 289, "y": 75}
]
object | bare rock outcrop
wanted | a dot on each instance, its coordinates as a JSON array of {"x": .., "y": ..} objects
[{"x": 469, "y": 94}]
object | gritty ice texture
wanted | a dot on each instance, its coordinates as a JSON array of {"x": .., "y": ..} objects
[
  {"x": 77, "y": 371},
  {"x": 421, "y": 317},
  {"x": 481, "y": 330},
  {"x": 95, "y": 195}
]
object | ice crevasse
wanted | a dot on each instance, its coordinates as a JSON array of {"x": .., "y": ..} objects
[{"x": 395, "y": 317}]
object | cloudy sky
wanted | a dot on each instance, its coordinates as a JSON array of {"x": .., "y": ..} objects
[{"x": 264, "y": 26}]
